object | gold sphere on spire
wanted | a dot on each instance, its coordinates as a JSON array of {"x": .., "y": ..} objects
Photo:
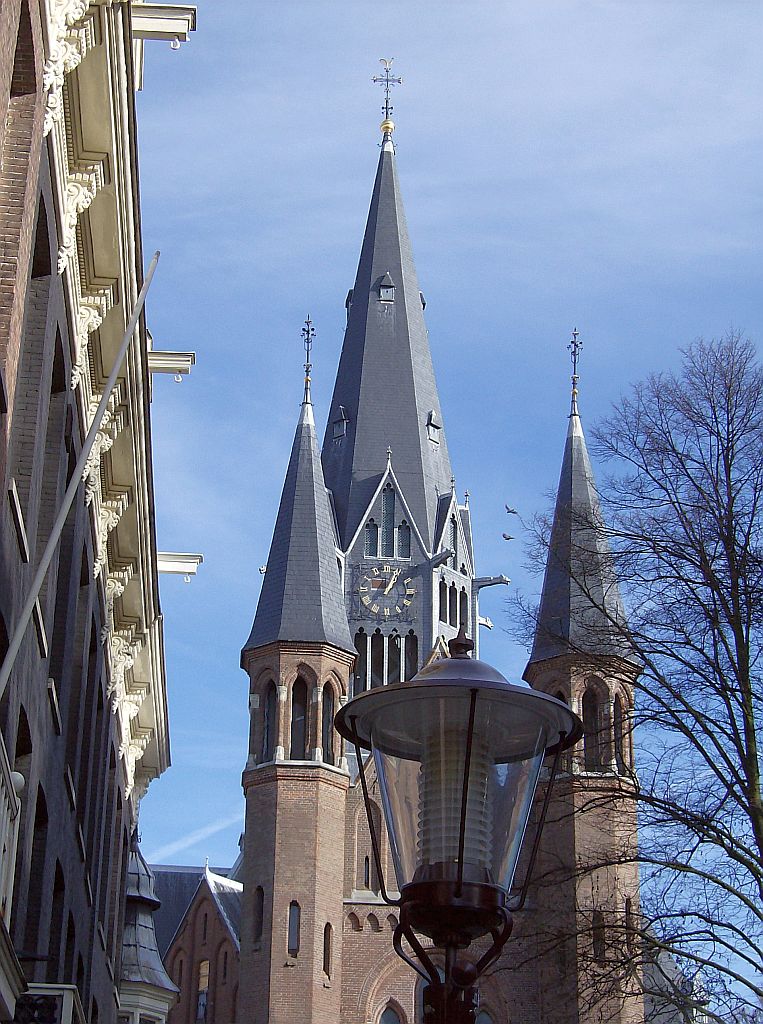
[{"x": 387, "y": 126}]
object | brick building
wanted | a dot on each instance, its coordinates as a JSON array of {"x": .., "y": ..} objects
[{"x": 83, "y": 719}]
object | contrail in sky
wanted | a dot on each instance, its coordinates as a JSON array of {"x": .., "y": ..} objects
[{"x": 170, "y": 849}]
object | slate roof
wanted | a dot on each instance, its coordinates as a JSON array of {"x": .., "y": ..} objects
[
  {"x": 385, "y": 384},
  {"x": 301, "y": 597},
  {"x": 141, "y": 960},
  {"x": 228, "y": 896},
  {"x": 580, "y": 596}
]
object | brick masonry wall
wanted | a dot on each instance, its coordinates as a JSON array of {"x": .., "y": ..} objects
[{"x": 194, "y": 944}]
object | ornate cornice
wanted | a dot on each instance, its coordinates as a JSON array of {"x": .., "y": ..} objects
[
  {"x": 72, "y": 33},
  {"x": 82, "y": 185},
  {"x": 109, "y": 514},
  {"x": 111, "y": 426},
  {"x": 94, "y": 304}
]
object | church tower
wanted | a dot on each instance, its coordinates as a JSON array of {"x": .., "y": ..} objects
[
  {"x": 298, "y": 658},
  {"x": 586, "y": 895},
  {"x": 405, "y": 539}
]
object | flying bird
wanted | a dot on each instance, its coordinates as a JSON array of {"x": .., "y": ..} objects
[
  {"x": 507, "y": 536},
  {"x": 511, "y": 511}
]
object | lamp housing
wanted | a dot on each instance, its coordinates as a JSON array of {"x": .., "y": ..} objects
[{"x": 458, "y": 752}]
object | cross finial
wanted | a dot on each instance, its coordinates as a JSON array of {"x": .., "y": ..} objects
[
  {"x": 308, "y": 333},
  {"x": 387, "y": 80},
  {"x": 574, "y": 347}
]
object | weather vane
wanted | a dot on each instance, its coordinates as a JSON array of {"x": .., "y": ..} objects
[
  {"x": 387, "y": 80},
  {"x": 575, "y": 346},
  {"x": 308, "y": 333}
]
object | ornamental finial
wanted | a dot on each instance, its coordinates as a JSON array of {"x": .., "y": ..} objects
[
  {"x": 387, "y": 80},
  {"x": 574, "y": 347},
  {"x": 308, "y": 333}
]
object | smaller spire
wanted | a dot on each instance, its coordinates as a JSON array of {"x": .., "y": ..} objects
[
  {"x": 387, "y": 80},
  {"x": 575, "y": 347},
  {"x": 308, "y": 333}
]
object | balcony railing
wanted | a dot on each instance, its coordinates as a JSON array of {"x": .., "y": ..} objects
[
  {"x": 50, "y": 1004},
  {"x": 11, "y": 785}
]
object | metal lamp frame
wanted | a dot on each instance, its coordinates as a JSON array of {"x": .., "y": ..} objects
[{"x": 465, "y": 910}]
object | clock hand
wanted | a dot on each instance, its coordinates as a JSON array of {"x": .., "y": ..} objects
[{"x": 392, "y": 582}]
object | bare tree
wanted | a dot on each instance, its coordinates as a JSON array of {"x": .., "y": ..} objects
[{"x": 682, "y": 508}]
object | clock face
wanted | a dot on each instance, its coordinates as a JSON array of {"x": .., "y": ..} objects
[{"x": 385, "y": 592}]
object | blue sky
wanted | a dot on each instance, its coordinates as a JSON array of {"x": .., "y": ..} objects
[{"x": 589, "y": 164}]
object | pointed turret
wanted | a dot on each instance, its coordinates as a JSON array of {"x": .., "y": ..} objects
[
  {"x": 145, "y": 988},
  {"x": 301, "y": 598},
  {"x": 580, "y": 604},
  {"x": 385, "y": 394}
]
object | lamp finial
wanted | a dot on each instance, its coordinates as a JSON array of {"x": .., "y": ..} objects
[{"x": 460, "y": 646}]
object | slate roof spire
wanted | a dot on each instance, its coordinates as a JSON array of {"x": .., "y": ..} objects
[
  {"x": 580, "y": 601},
  {"x": 141, "y": 961},
  {"x": 385, "y": 395},
  {"x": 301, "y": 597}
]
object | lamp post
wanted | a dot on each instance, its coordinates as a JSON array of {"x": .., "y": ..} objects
[{"x": 457, "y": 752}]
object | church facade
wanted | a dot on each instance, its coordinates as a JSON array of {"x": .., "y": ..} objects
[{"x": 371, "y": 570}]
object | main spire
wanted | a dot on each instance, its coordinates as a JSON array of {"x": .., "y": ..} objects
[
  {"x": 385, "y": 394},
  {"x": 301, "y": 598},
  {"x": 580, "y": 606}
]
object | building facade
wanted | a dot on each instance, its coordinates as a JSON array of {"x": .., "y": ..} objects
[
  {"x": 371, "y": 570},
  {"x": 83, "y": 718}
]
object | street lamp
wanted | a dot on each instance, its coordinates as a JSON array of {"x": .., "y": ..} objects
[{"x": 458, "y": 752}]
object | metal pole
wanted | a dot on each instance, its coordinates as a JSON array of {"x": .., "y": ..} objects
[{"x": 71, "y": 490}]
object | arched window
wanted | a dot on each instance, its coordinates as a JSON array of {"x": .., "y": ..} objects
[
  {"x": 202, "y": 991},
  {"x": 361, "y": 662},
  {"x": 204, "y": 928},
  {"x": 373, "y": 922},
  {"x": 377, "y": 658},
  {"x": 327, "y": 943},
  {"x": 225, "y": 965},
  {"x": 443, "y": 600},
  {"x": 390, "y": 1016},
  {"x": 270, "y": 723},
  {"x": 388, "y": 522},
  {"x": 404, "y": 540},
  {"x": 294, "y": 922},
  {"x": 394, "y": 642},
  {"x": 411, "y": 655},
  {"x": 298, "y": 748},
  {"x": 592, "y": 745},
  {"x": 454, "y": 541},
  {"x": 463, "y": 611},
  {"x": 597, "y": 937},
  {"x": 353, "y": 922},
  {"x": 259, "y": 912},
  {"x": 366, "y": 872},
  {"x": 179, "y": 971},
  {"x": 327, "y": 732},
  {"x": 618, "y": 724},
  {"x": 371, "y": 540},
  {"x": 453, "y": 605}
]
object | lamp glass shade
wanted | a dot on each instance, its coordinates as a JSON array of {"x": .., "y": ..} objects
[
  {"x": 419, "y": 749},
  {"x": 423, "y": 733}
]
